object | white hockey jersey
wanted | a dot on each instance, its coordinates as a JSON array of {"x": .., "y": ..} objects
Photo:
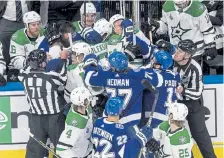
[
  {"x": 176, "y": 144},
  {"x": 75, "y": 139},
  {"x": 21, "y": 46},
  {"x": 190, "y": 23}
]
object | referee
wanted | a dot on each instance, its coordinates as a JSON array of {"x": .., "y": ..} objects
[
  {"x": 42, "y": 94},
  {"x": 191, "y": 90}
]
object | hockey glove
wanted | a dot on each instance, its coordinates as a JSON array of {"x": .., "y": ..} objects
[
  {"x": 91, "y": 36},
  {"x": 2, "y": 80},
  {"x": 210, "y": 51},
  {"x": 132, "y": 51},
  {"x": 90, "y": 60},
  {"x": 167, "y": 46},
  {"x": 152, "y": 146},
  {"x": 127, "y": 27},
  {"x": 143, "y": 135}
]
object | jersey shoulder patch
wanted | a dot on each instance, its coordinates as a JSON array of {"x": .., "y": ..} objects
[
  {"x": 196, "y": 9},
  {"x": 164, "y": 126},
  {"x": 76, "y": 120},
  {"x": 168, "y": 6},
  {"x": 20, "y": 37},
  {"x": 180, "y": 138}
]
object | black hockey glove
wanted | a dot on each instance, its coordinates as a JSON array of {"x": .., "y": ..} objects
[
  {"x": 210, "y": 51},
  {"x": 152, "y": 146},
  {"x": 2, "y": 80},
  {"x": 153, "y": 25},
  {"x": 132, "y": 51}
]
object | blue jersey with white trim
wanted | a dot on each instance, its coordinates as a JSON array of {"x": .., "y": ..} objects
[
  {"x": 113, "y": 140},
  {"x": 167, "y": 94},
  {"x": 126, "y": 85}
]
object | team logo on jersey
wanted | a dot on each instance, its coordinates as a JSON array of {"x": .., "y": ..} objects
[
  {"x": 178, "y": 31},
  {"x": 74, "y": 123},
  {"x": 182, "y": 139}
]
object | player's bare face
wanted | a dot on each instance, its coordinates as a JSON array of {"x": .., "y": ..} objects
[
  {"x": 76, "y": 59},
  {"x": 90, "y": 19},
  {"x": 117, "y": 27},
  {"x": 34, "y": 29}
]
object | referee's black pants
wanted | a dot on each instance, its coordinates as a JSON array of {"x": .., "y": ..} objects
[
  {"x": 43, "y": 127},
  {"x": 196, "y": 121}
]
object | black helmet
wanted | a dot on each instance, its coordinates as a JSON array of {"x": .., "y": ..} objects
[
  {"x": 36, "y": 58},
  {"x": 187, "y": 46},
  {"x": 52, "y": 33}
]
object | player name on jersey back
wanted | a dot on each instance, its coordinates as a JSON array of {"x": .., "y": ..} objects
[
  {"x": 118, "y": 82},
  {"x": 103, "y": 133},
  {"x": 170, "y": 83}
]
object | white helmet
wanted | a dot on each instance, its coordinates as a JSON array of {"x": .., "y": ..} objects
[
  {"x": 115, "y": 18},
  {"x": 81, "y": 48},
  {"x": 103, "y": 27},
  {"x": 30, "y": 17},
  {"x": 90, "y": 8},
  {"x": 79, "y": 95},
  {"x": 178, "y": 110}
]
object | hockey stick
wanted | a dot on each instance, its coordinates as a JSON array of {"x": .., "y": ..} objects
[
  {"x": 42, "y": 144},
  {"x": 152, "y": 89}
]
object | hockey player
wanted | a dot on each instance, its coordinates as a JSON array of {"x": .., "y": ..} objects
[
  {"x": 119, "y": 81},
  {"x": 75, "y": 71},
  {"x": 25, "y": 40},
  {"x": 175, "y": 140},
  {"x": 112, "y": 139},
  {"x": 189, "y": 19},
  {"x": 161, "y": 63},
  {"x": 75, "y": 139},
  {"x": 88, "y": 16}
]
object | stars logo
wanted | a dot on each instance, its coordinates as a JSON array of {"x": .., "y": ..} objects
[
  {"x": 178, "y": 31},
  {"x": 182, "y": 140}
]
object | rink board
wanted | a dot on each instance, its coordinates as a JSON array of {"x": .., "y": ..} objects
[{"x": 14, "y": 116}]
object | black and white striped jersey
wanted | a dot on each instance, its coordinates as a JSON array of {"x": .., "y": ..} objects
[
  {"x": 191, "y": 79},
  {"x": 41, "y": 89}
]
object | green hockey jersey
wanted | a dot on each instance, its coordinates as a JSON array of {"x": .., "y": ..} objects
[
  {"x": 75, "y": 139},
  {"x": 78, "y": 26},
  {"x": 21, "y": 46},
  {"x": 191, "y": 22},
  {"x": 176, "y": 144}
]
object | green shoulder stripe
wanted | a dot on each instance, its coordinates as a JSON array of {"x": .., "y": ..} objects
[
  {"x": 180, "y": 138},
  {"x": 76, "y": 120},
  {"x": 76, "y": 25},
  {"x": 20, "y": 37},
  {"x": 196, "y": 9},
  {"x": 168, "y": 6},
  {"x": 164, "y": 126}
]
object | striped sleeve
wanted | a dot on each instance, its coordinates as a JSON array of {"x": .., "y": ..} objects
[
  {"x": 195, "y": 90},
  {"x": 59, "y": 78}
]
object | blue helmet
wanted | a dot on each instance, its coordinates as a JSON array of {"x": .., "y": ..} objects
[
  {"x": 164, "y": 59},
  {"x": 114, "y": 106},
  {"x": 118, "y": 60}
]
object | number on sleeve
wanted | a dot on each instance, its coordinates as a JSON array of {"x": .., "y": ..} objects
[
  {"x": 69, "y": 133},
  {"x": 121, "y": 140},
  {"x": 13, "y": 49},
  {"x": 183, "y": 153}
]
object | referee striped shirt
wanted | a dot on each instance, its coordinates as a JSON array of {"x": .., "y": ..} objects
[
  {"x": 191, "y": 79},
  {"x": 41, "y": 89}
]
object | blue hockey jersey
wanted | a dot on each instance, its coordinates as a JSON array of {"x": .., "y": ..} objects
[
  {"x": 113, "y": 140},
  {"x": 167, "y": 94},
  {"x": 126, "y": 85}
]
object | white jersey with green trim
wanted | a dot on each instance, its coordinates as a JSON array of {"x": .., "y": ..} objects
[
  {"x": 75, "y": 139},
  {"x": 176, "y": 144},
  {"x": 191, "y": 22},
  {"x": 75, "y": 76},
  {"x": 21, "y": 46}
]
